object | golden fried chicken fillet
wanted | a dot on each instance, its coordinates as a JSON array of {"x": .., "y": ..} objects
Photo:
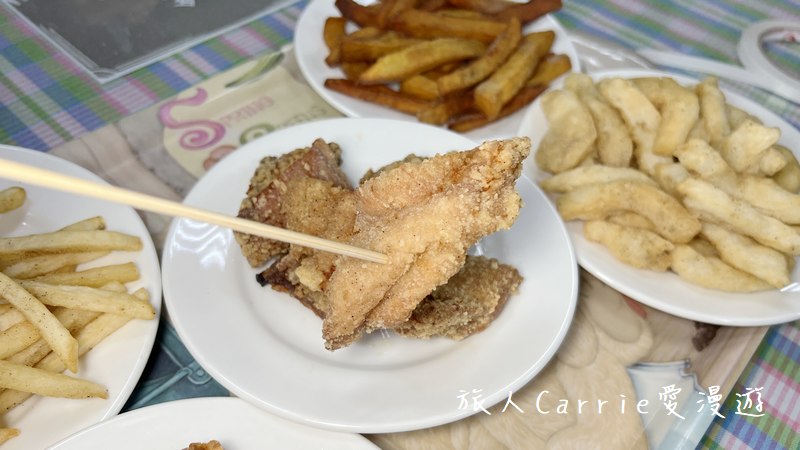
[{"x": 424, "y": 215}]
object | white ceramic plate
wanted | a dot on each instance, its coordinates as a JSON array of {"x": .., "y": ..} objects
[
  {"x": 236, "y": 424},
  {"x": 311, "y": 52},
  {"x": 118, "y": 361},
  {"x": 666, "y": 291},
  {"x": 267, "y": 348}
]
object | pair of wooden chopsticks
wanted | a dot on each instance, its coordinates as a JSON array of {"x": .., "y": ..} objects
[{"x": 45, "y": 178}]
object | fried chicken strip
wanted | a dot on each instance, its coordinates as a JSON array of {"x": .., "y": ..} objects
[{"x": 424, "y": 215}]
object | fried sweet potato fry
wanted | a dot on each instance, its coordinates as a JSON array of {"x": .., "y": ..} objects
[
  {"x": 527, "y": 12},
  {"x": 332, "y": 34},
  {"x": 508, "y": 79},
  {"x": 391, "y": 8},
  {"x": 480, "y": 69},
  {"x": 523, "y": 97},
  {"x": 364, "y": 16},
  {"x": 420, "y": 86},
  {"x": 484, "y": 6},
  {"x": 430, "y": 25},
  {"x": 420, "y": 57},
  {"x": 442, "y": 111},
  {"x": 381, "y": 95},
  {"x": 372, "y": 48},
  {"x": 550, "y": 68}
]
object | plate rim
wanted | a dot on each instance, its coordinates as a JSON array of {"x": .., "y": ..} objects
[
  {"x": 411, "y": 424},
  {"x": 193, "y": 403},
  {"x": 155, "y": 286},
  {"x": 594, "y": 268}
]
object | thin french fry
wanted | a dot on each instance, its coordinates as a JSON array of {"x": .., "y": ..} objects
[
  {"x": 89, "y": 299},
  {"x": 51, "y": 330},
  {"x": 90, "y": 224},
  {"x": 11, "y": 199},
  {"x": 41, "y": 265},
  {"x": 66, "y": 242},
  {"x": 42, "y": 382},
  {"x": 96, "y": 277},
  {"x": 7, "y": 434}
]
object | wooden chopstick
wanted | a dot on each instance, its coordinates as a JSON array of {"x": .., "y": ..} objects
[{"x": 48, "y": 179}]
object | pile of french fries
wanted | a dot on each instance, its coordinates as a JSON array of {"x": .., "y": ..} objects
[
  {"x": 459, "y": 63},
  {"x": 674, "y": 177},
  {"x": 51, "y": 313}
]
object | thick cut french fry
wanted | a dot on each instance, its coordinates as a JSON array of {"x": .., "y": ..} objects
[
  {"x": 523, "y": 98},
  {"x": 636, "y": 247},
  {"x": 364, "y": 16},
  {"x": 443, "y": 111},
  {"x": 51, "y": 330},
  {"x": 332, "y": 33},
  {"x": 419, "y": 58},
  {"x": 96, "y": 277},
  {"x": 371, "y": 49},
  {"x": 531, "y": 10},
  {"x": 510, "y": 77},
  {"x": 746, "y": 255},
  {"x": 550, "y": 68},
  {"x": 420, "y": 86},
  {"x": 596, "y": 174},
  {"x": 353, "y": 70},
  {"x": 484, "y": 6},
  {"x": 712, "y": 273},
  {"x": 391, "y": 8},
  {"x": 714, "y": 204},
  {"x": 478, "y": 70},
  {"x": 11, "y": 199},
  {"x": 381, "y": 95},
  {"x": 66, "y": 242},
  {"x": 428, "y": 25},
  {"x": 41, "y": 265},
  {"x": 571, "y": 135},
  {"x": 42, "y": 382},
  {"x": 89, "y": 299},
  {"x": 595, "y": 202}
]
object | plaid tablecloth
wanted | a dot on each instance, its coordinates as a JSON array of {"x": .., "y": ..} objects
[{"x": 47, "y": 100}]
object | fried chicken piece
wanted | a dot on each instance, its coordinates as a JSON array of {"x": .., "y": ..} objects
[
  {"x": 466, "y": 304},
  {"x": 268, "y": 186},
  {"x": 210, "y": 445},
  {"x": 319, "y": 208},
  {"x": 424, "y": 215}
]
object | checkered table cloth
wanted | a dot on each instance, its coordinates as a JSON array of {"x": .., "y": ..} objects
[{"x": 46, "y": 100}]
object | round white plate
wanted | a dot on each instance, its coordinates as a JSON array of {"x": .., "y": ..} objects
[
  {"x": 311, "y": 52},
  {"x": 267, "y": 348},
  {"x": 119, "y": 360},
  {"x": 236, "y": 424},
  {"x": 666, "y": 291}
]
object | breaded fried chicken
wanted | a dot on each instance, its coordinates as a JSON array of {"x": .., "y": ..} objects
[
  {"x": 466, "y": 304},
  {"x": 319, "y": 208},
  {"x": 424, "y": 215},
  {"x": 268, "y": 185}
]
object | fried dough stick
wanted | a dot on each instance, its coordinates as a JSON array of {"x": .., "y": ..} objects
[{"x": 425, "y": 216}]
